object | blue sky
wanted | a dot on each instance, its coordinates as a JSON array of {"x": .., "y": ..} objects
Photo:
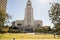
[{"x": 16, "y": 8}]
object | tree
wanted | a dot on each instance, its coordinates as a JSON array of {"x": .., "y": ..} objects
[
  {"x": 3, "y": 17},
  {"x": 39, "y": 30},
  {"x": 54, "y": 13},
  {"x": 5, "y": 29},
  {"x": 57, "y": 27},
  {"x": 46, "y": 29},
  {"x": 8, "y": 17}
]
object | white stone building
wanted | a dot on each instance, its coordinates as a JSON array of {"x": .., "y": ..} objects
[{"x": 28, "y": 24}]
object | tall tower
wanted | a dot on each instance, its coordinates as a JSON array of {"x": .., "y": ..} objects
[
  {"x": 3, "y": 4},
  {"x": 28, "y": 20}
]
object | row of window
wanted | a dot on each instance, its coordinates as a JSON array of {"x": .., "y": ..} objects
[{"x": 28, "y": 25}]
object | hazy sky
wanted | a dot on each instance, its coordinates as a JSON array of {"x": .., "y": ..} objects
[{"x": 16, "y": 8}]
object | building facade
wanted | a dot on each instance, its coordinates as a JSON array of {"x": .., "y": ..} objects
[{"x": 28, "y": 24}]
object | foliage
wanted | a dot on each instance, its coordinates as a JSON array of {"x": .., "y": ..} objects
[
  {"x": 45, "y": 29},
  {"x": 14, "y": 30},
  {"x": 39, "y": 30},
  {"x": 5, "y": 29},
  {"x": 2, "y": 18},
  {"x": 54, "y": 13},
  {"x": 57, "y": 27}
]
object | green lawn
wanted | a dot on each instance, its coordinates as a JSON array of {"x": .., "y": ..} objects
[{"x": 27, "y": 36}]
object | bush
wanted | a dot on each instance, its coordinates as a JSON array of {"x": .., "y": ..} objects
[
  {"x": 4, "y": 29},
  {"x": 14, "y": 31}
]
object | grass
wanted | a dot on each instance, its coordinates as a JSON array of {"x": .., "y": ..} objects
[{"x": 27, "y": 36}]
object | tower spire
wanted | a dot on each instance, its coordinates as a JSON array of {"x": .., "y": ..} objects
[
  {"x": 29, "y": 20},
  {"x": 28, "y": 0}
]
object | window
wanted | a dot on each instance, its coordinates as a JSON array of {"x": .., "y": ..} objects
[
  {"x": 19, "y": 24},
  {"x": 38, "y": 24}
]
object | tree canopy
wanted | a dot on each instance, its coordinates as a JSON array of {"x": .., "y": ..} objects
[
  {"x": 3, "y": 17},
  {"x": 54, "y": 13}
]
